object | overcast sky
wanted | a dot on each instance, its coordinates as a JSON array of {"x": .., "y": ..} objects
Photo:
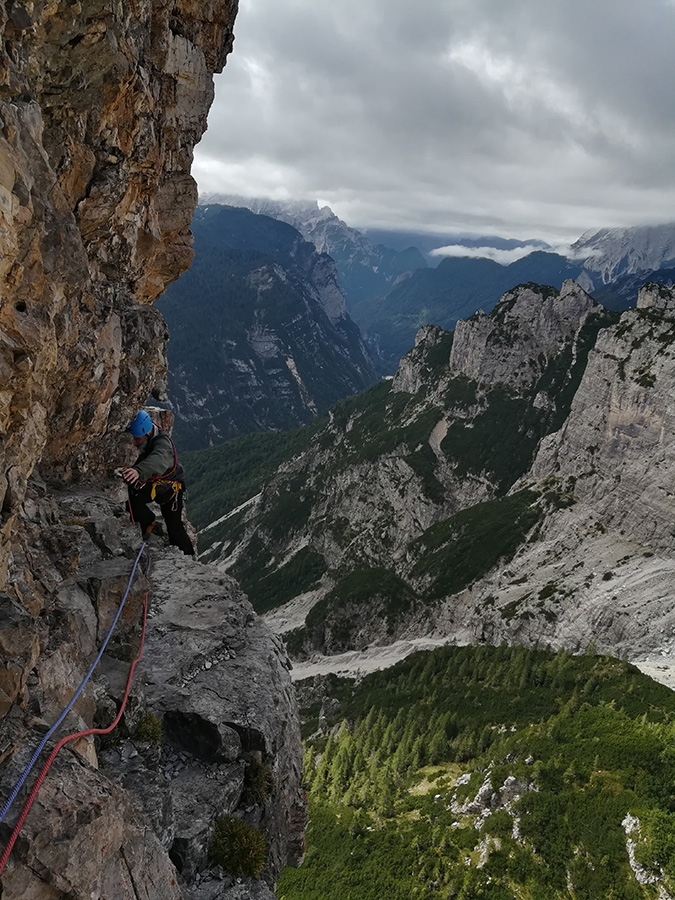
[{"x": 522, "y": 118}]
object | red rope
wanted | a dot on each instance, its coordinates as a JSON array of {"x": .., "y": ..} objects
[{"x": 73, "y": 737}]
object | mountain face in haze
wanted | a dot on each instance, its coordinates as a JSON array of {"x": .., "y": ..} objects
[
  {"x": 364, "y": 269},
  {"x": 512, "y": 482},
  {"x": 260, "y": 337},
  {"x": 618, "y": 263},
  {"x": 426, "y": 242},
  {"x": 623, "y": 291},
  {"x": 614, "y": 252},
  {"x": 455, "y": 289},
  {"x": 393, "y": 292}
]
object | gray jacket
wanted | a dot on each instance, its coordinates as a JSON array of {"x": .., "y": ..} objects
[{"x": 157, "y": 458}]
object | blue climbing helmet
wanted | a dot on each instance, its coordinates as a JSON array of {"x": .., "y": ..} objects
[{"x": 141, "y": 425}]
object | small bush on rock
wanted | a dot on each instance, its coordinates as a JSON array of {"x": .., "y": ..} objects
[
  {"x": 238, "y": 847},
  {"x": 258, "y": 782},
  {"x": 149, "y": 729}
]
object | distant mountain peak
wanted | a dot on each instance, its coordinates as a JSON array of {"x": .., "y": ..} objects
[
  {"x": 260, "y": 338},
  {"x": 614, "y": 252}
]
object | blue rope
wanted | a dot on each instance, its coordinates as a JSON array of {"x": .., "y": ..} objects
[{"x": 34, "y": 758}]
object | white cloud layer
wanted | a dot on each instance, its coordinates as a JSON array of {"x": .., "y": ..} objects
[
  {"x": 513, "y": 117},
  {"x": 503, "y": 257}
]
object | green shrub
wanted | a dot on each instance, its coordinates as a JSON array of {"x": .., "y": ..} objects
[
  {"x": 149, "y": 729},
  {"x": 238, "y": 847},
  {"x": 259, "y": 783},
  {"x": 499, "y": 824},
  {"x": 547, "y": 591}
]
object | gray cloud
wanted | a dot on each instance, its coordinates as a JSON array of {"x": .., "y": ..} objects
[{"x": 519, "y": 117}]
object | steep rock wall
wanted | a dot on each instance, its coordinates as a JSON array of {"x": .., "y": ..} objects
[
  {"x": 513, "y": 344},
  {"x": 618, "y": 442},
  {"x": 101, "y": 105},
  {"x": 598, "y": 569},
  {"x": 458, "y": 425},
  {"x": 127, "y": 816}
]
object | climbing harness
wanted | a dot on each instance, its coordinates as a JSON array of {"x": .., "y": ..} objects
[
  {"x": 165, "y": 480},
  {"x": 175, "y": 487},
  {"x": 79, "y": 734}
]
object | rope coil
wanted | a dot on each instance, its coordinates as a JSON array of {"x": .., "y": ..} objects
[{"x": 79, "y": 734}]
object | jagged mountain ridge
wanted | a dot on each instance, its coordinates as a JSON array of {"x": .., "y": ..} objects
[
  {"x": 364, "y": 269},
  {"x": 383, "y": 546},
  {"x": 459, "y": 286},
  {"x": 260, "y": 336},
  {"x": 612, "y": 264},
  {"x": 411, "y": 452},
  {"x": 455, "y": 289},
  {"x": 397, "y": 295}
]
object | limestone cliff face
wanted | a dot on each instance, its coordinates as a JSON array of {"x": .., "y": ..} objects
[
  {"x": 601, "y": 570},
  {"x": 514, "y": 344},
  {"x": 101, "y": 105},
  {"x": 619, "y": 439},
  {"x": 458, "y": 425},
  {"x": 587, "y": 415}
]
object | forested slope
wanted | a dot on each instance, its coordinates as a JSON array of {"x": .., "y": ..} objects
[{"x": 493, "y": 772}]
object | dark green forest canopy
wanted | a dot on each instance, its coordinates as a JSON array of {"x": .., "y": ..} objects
[
  {"x": 478, "y": 680},
  {"x": 586, "y": 740}
]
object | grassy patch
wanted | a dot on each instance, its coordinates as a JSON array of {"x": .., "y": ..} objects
[
  {"x": 454, "y": 553},
  {"x": 423, "y": 462},
  {"x": 289, "y": 512},
  {"x": 223, "y": 477},
  {"x": 358, "y": 591},
  {"x": 259, "y": 783}
]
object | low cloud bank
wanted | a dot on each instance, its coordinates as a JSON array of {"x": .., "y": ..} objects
[{"x": 503, "y": 257}]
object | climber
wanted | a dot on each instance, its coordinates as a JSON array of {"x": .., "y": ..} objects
[{"x": 156, "y": 475}]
